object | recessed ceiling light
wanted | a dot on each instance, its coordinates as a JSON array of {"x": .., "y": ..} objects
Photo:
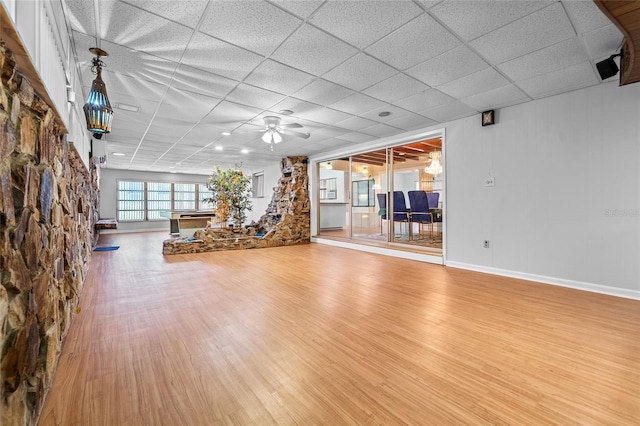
[
  {"x": 118, "y": 154},
  {"x": 384, "y": 114},
  {"x": 285, "y": 112},
  {"x": 178, "y": 163},
  {"x": 226, "y": 133},
  {"x": 218, "y": 148},
  {"x": 245, "y": 151},
  {"x": 173, "y": 171},
  {"x": 126, "y": 107},
  {"x": 172, "y": 167}
]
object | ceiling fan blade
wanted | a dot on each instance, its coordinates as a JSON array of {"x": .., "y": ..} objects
[
  {"x": 291, "y": 126},
  {"x": 297, "y": 134}
]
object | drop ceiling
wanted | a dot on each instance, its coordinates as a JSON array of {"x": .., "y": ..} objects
[{"x": 196, "y": 69}]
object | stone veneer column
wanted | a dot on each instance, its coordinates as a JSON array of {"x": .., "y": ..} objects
[{"x": 48, "y": 203}]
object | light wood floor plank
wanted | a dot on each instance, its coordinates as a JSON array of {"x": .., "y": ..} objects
[{"x": 315, "y": 334}]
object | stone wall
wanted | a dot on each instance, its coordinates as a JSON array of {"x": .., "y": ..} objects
[
  {"x": 47, "y": 212},
  {"x": 286, "y": 221}
]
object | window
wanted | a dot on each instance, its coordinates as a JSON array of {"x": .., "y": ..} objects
[
  {"x": 139, "y": 201},
  {"x": 328, "y": 189},
  {"x": 184, "y": 196},
  {"x": 130, "y": 202},
  {"x": 363, "y": 193},
  {"x": 203, "y": 194},
  {"x": 158, "y": 199},
  {"x": 257, "y": 185}
]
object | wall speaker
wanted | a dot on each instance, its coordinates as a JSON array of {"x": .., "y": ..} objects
[{"x": 607, "y": 68}]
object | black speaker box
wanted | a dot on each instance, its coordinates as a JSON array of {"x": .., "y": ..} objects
[{"x": 607, "y": 68}]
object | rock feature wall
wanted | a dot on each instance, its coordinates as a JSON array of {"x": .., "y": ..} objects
[
  {"x": 48, "y": 209},
  {"x": 287, "y": 220}
]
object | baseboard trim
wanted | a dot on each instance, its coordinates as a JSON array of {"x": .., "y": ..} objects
[
  {"x": 578, "y": 285},
  {"x": 428, "y": 258},
  {"x": 130, "y": 231}
]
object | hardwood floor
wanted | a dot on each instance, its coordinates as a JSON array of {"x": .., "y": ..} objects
[{"x": 316, "y": 334}]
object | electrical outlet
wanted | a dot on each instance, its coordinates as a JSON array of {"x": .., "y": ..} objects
[
  {"x": 489, "y": 181},
  {"x": 486, "y": 243}
]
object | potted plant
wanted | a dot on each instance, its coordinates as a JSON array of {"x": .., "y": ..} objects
[{"x": 230, "y": 195}]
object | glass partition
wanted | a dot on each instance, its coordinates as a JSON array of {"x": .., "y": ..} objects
[{"x": 390, "y": 196}]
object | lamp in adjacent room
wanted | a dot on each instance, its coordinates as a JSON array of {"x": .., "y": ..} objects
[
  {"x": 97, "y": 110},
  {"x": 435, "y": 168}
]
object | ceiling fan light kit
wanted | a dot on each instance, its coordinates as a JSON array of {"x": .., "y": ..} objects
[{"x": 273, "y": 130}]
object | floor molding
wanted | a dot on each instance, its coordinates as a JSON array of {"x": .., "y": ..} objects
[
  {"x": 421, "y": 257},
  {"x": 578, "y": 285}
]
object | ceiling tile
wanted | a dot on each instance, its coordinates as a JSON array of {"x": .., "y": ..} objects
[
  {"x": 570, "y": 78},
  {"x": 451, "y": 65},
  {"x": 481, "y": 81},
  {"x": 540, "y": 29},
  {"x": 356, "y": 123},
  {"x": 133, "y": 63},
  {"x": 302, "y": 9},
  {"x": 552, "y": 58},
  {"x": 397, "y": 87},
  {"x": 325, "y": 115},
  {"x": 186, "y": 12},
  {"x": 395, "y": 112},
  {"x": 471, "y": 19},
  {"x": 215, "y": 56},
  {"x": 323, "y": 92},
  {"x": 360, "y": 24},
  {"x": 126, "y": 85},
  {"x": 231, "y": 114},
  {"x": 423, "y": 37},
  {"x": 331, "y": 131},
  {"x": 313, "y": 51},
  {"x": 603, "y": 42},
  {"x": 296, "y": 105},
  {"x": 381, "y": 130},
  {"x": 279, "y": 78},
  {"x": 429, "y": 3},
  {"x": 355, "y": 137},
  {"x": 128, "y": 26},
  {"x": 81, "y": 17},
  {"x": 359, "y": 72},
  {"x": 199, "y": 81},
  {"x": 496, "y": 98},
  {"x": 421, "y": 101},
  {"x": 254, "y": 25},
  {"x": 357, "y": 104},
  {"x": 183, "y": 105},
  {"x": 254, "y": 96},
  {"x": 411, "y": 121},
  {"x": 451, "y": 111},
  {"x": 585, "y": 15}
]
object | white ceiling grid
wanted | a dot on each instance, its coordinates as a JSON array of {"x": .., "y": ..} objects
[{"x": 198, "y": 68}]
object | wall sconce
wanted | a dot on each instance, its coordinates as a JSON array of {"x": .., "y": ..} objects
[
  {"x": 97, "y": 110},
  {"x": 488, "y": 117}
]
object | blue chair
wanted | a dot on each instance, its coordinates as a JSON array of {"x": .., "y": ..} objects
[
  {"x": 400, "y": 212},
  {"x": 420, "y": 208},
  {"x": 422, "y": 205}
]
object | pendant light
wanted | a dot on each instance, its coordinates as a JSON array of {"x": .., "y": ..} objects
[{"x": 97, "y": 110}]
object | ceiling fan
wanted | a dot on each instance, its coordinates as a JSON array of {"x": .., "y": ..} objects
[{"x": 273, "y": 130}]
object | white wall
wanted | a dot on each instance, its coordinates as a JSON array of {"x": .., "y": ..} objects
[
  {"x": 271, "y": 176},
  {"x": 565, "y": 208},
  {"x": 563, "y": 166}
]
